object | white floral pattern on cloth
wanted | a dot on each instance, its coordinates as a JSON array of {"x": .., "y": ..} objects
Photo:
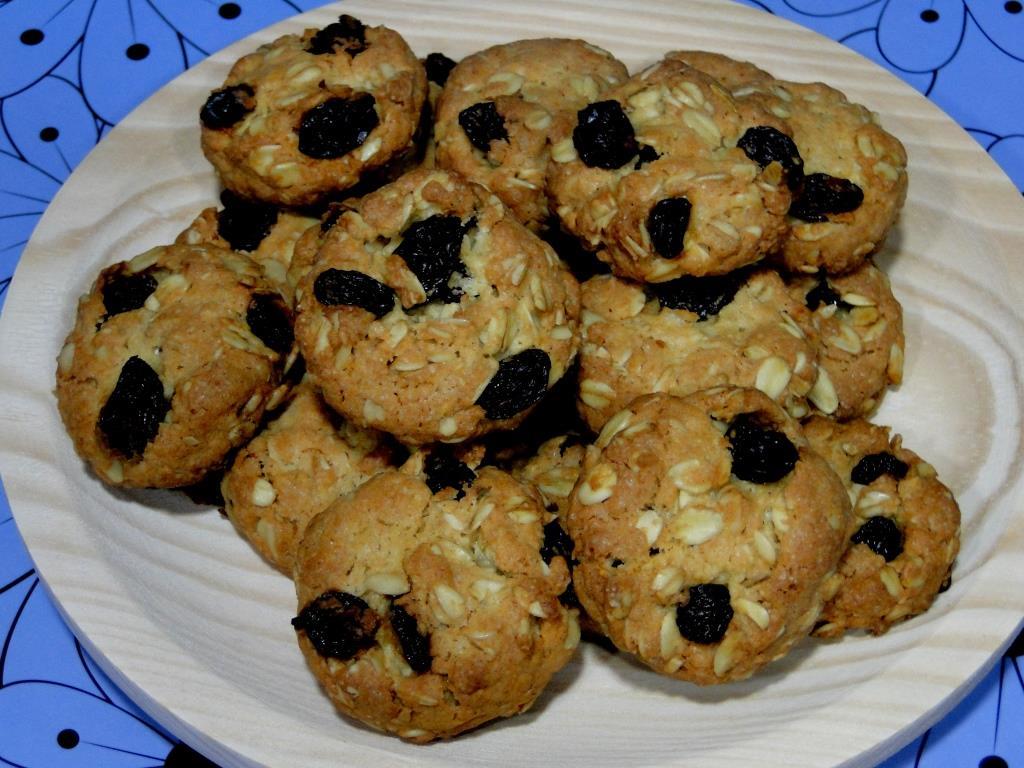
[{"x": 70, "y": 69}]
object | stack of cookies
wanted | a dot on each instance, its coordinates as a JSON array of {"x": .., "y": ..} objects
[{"x": 475, "y": 352}]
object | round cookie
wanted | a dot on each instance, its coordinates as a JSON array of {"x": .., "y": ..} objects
[
  {"x": 495, "y": 115},
  {"x": 262, "y": 232},
  {"x": 294, "y": 468},
  {"x": 742, "y": 329},
  {"x": 855, "y": 175},
  {"x": 427, "y": 602},
  {"x": 305, "y": 117},
  {"x": 172, "y": 361},
  {"x": 432, "y": 314},
  {"x": 860, "y": 327},
  {"x": 707, "y": 533},
  {"x": 906, "y": 532},
  {"x": 656, "y": 174}
]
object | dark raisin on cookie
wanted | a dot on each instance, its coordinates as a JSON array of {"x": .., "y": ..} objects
[
  {"x": 647, "y": 154},
  {"x": 124, "y": 291},
  {"x": 706, "y": 615},
  {"x": 438, "y": 67},
  {"x": 874, "y": 465},
  {"x": 882, "y": 536},
  {"x": 603, "y": 136},
  {"x": 520, "y": 381},
  {"x": 415, "y": 645},
  {"x": 270, "y": 322},
  {"x": 132, "y": 415},
  {"x": 483, "y": 124},
  {"x": 244, "y": 223},
  {"x": 443, "y": 470},
  {"x": 430, "y": 248},
  {"x": 820, "y": 194},
  {"x": 347, "y": 34},
  {"x": 824, "y": 294},
  {"x": 704, "y": 296},
  {"x": 337, "y": 126},
  {"x": 335, "y": 287},
  {"x": 557, "y": 543},
  {"x": 760, "y": 454},
  {"x": 226, "y": 106},
  {"x": 339, "y": 625},
  {"x": 667, "y": 223},
  {"x": 764, "y": 145}
]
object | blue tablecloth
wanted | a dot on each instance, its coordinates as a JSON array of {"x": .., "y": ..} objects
[{"x": 70, "y": 69}]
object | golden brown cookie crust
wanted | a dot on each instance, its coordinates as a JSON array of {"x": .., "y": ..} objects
[
  {"x": 875, "y": 593},
  {"x": 258, "y": 157},
  {"x": 530, "y": 82},
  {"x": 193, "y": 332},
  {"x": 860, "y": 350},
  {"x": 418, "y": 371},
  {"x": 632, "y": 346},
  {"x": 293, "y": 469},
  {"x": 657, "y": 512},
  {"x": 469, "y": 571},
  {"x": 693, "y": 124}
]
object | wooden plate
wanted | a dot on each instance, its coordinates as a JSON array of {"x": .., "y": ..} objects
[{"x": 194, "y": 626}]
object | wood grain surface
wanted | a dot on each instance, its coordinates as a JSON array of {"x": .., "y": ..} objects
[{"x": 195, "y": 627}]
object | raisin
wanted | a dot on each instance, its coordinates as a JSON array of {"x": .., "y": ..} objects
[
  {"x": 824, "y": 293},
  {"x": 647, "y": 154},
  {"x": 882, "y": 536},
  {"x": 124, "y": 291},
  {"x": 347, "y": 33},
  {"x": 483, "y": 124},
  {"x": 430, "y": 248},
  {"x": 244, "y": 223},
  {"x": 438, "y": 67},
  {"x": 415, "y": 645},
  {"x": 616, "y": 563},
  {"x": 704, "y": 296},
  {"x": 874, "y": 465},
  {"x": 603, "y": 136},
  {"x": 337, "y": 126},
  {"x": 334, "y": 287},
  {"x": 821, "y": 194},
  {"x": 667, "y": 223},
  {"x": 764, "y": 145},
  {"x": 270, "y": 322},
  {"x": 443, "y": 470},
  {"x": 557, "y": 543},
  {"x": 520, "y": 381},
  {"x": 760, "y": 454},
  {"x": 131, "y": 417},
  {"x": 706, "y": 615},
  {"x": 339, "y": 625},
  {"x": 226, "y": 106}
]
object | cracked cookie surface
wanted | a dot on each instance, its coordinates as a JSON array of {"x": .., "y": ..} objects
[
  {"x": 458, "y": 619},
  {"x": 430, "y": 313},
  {"x": 173, "y": 359},
  {"x": 705, "y": 576}
]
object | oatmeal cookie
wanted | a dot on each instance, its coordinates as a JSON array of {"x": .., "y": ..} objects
[
  {"x": 906, "y": 531},
  {"x": 860, "y": 327},
  {"x": 707, "y": 533},
  {"x": 264, "y": 233},
  {"x": 294, "y": 468},
  {"x": 495, "y": 115},
  {"x": 428, "y": 604},
  {"x": 173, "y": 359},
  {"x": 307, "y": 116},
  {"x": 661, "y": 175},
  {"x": 854, "y": 175},
  {"x": 741, "y": 329},
  {"x": 432, "y": 314},
  {"x": 732, "y": 73}
]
